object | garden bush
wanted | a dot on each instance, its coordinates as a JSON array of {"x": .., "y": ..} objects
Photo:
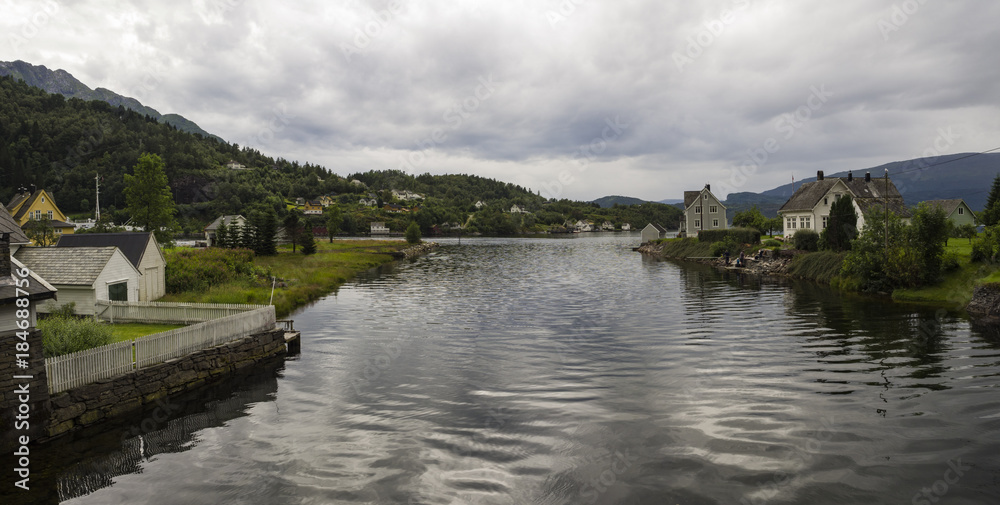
[
  {"x": 199, "y": 269},
  {"x": 739, "y": 235},
  {"x": 772, "y": 243},
  {"x": 806, "y": 240},
  {"x": 63, "y": 335}
]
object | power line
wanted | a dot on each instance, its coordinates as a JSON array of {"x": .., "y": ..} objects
[{"x": 944, "y": 162}]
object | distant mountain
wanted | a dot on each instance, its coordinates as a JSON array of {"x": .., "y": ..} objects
[
  {"x": 63, "y": 83},
  {"x": 965, "y": 175},
  {"x": 672, "y": 201},
  {"x": 607, "y": 202}
]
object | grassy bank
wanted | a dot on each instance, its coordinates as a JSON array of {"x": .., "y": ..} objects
[
  {"x": 820, "y": 266},
  {"x": 301, "y": 278},
  {"x": 957, "y": 285},
  {"x": 681, "y": 248}
]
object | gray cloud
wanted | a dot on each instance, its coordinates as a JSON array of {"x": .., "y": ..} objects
[{"x": 701, "y": 86}]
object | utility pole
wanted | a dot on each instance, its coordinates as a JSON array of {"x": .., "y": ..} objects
[
  {"x": 886, "y": 198},
  {"x": 97, "y": 186}
]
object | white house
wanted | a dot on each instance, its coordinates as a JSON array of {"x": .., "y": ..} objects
[
  {"x": 83, "y": 275},
  {"x": 233, "y": 165},
  {"x": 379, "y": 228},
  {"x": 142, "y": 251},
  {"x": 607, "y": 226},
  {"x": 583, "y": 226},
  {"x": 653, "y": 231},
  {"x": 36, "y": 290},
  {"x": 231, "y": 221},
  {"x": 626, "y": 227},
  {"x": 516, "y": 209},
  {"x": 480, "y": 204},
  {"x": 809, "y": 206},
  {"x": 368, "y": 202},
  {"x": 702, "y": 211}
]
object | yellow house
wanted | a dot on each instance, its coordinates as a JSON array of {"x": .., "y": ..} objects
[{"x": 36, "y": 204}]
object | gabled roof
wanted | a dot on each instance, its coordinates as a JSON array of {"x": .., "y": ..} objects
[
  {"x": 690, "y": 197},
  {"x": 657, "y": 225},
  {"x": 22, "y": 202},
  {"x": 868, "y": 195},
  {"x": 37, "y": 288},
  {"x": 132, "y": 245},
  {"x": 8, "y": 225},
  {"x": 948, "y": 206},
  {"x": 214, "y": 225},
  {"x": 78, "y": 266}
]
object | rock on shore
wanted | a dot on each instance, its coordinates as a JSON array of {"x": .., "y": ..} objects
[
  {"x": 415, "y": 250},
  {"x": 985, "y": 301}
]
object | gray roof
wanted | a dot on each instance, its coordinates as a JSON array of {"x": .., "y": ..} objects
[
  {"x": 132, "y": 245},
  {"x": 78, "y": 266},
  {"x": 948, "y": 206},
  {"x": 658, "y": 228},
  {"x": 868, "y": 195},
  {"x": 692, "y": 196},
  {"x": 8, "y": 225},
  {"x": 37, "y": 288},
  {"x": 228, "y": 219}
]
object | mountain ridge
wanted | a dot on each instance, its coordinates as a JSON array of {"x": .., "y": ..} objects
[{"x": 64, "y": 83}]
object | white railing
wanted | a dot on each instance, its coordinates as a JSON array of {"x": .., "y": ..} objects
[
  {"x": 167, "y": 312},
  {"x": 160, "y": 347},
  {"x": 71, "y": 370},
  {"x": 84, "y": 367}
]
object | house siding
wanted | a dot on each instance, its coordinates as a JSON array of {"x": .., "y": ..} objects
[
  {"x": 966, "y": 217},
  {"x": 117, "y": 269},
  {"x": 690, "y": 216},
  {"x": 82, "y": 296},
  {"x": 152, "y": 268}
]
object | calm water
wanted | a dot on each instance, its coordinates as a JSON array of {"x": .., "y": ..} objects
[{"x": 551, "y": 371}]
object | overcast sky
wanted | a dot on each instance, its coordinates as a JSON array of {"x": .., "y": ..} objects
[{"x": 574, "y": 98}]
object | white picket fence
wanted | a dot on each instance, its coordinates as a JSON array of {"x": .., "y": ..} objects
[
  {"x": 167, "y": 312},
  {"x": 84, "y": 367}
]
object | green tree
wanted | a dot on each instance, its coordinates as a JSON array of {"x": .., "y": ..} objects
[
  {"x": 751, "y": 218},
  {"x": 308, "y": 241},
  {"x": 413, "y": 233},
  {"x": 293, "y": 227},
  {"x": 775, "y": 223},
  {"x": 928, "y": 237},
  {"x": 41, "y": 232},
  {"x": 222, "y": 235},
  {"x": 841, "y": 225},
  {"x": 148, "y": 198},
  {"x": 333, "y": 221},
  {"x": 967, "y": 230},
  {"x": 991, "y": 213},
  {"x": 876, "y": 268},
  {"x": 265, "y": 226}
]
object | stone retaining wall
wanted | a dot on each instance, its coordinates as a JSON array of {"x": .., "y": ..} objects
[
  {"x": 12, "y": 417},
  {"x": 90, "y": 404}
]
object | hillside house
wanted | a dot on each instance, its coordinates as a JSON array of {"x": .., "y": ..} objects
[
  {"x": 608, "y": 226},
  {"x": 653, "y": 231},
  {"x": 313, "y": 208},
  {"x": 480, "y": 204},
  {"x": 234, "y": 165},
  {"x": 626, "y": 227},
  {"x": 957, "y": 211},
  {"x": 327, "y": 200},
  {"x": 83, "y": 275},
  {"x": 236, "y": 221},
  {"x": 141, "y": 250},
  {"x": 809, "y": 207},
  {"x": 379, "y": 228},
  {"x": 406, "y": 195},
  {"x": 702, "y": 211},
  {"x": 32, "y": 204},
  {"x": 37, "y": 289},
  {"x": 368, "y": 202}
]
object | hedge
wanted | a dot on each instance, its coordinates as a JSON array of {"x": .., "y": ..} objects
[{"x": 740, "y": 235}]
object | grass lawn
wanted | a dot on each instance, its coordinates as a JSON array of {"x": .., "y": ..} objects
[
  {"x": 956, "y": 287},
  {"x": 132, "y": 331},
  {"x": 685, "y": 248},
  {"x": 306, "y": 278}
]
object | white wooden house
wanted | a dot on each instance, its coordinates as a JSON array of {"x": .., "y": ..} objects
[
  {"x": 653, "y": 231},
  {"x": 237, "y": 221},
  {"x": 142, "y": 251},
  {"x": 809, "y": 206},
  {"x": 83, "y": 275},
  {"x": 379, "y": 228}
]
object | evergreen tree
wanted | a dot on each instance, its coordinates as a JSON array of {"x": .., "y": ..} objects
[
  {"x": 222, "y": 235},
  {"x": 991, "y": 213},
  {"x": 413, "y": 233},
  {"x": 148, "y": 198},
  {"x": 293, "y": 227},
  {"x": 308, "y": 240},
  {"x": 333, "y": 221},
  {"x": 265, "y": 226},
  {"x": 841, "y": 225}
]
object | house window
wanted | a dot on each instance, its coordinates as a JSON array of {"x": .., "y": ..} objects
[
  {"x": 118, "y": 292},
  {"x": 38, "y": 214},
  {"x": 804, "y": 222},
  {"x": 961, "y": 211},
  {"x": 697, "y": 210},
  {"x": 791, "y": 223},
  {"x": 715, "y": 223},
  {"x": 824, "y": 221},
  {"x": 50, "y": 215},
  {"x": 713, "y": 209},
  {"x": 825, "y": 201},
  {"x": 43, "y": 199},
  {"x": 697, "y": 223}
]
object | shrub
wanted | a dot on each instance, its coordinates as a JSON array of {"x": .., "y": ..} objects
[
  {"x": 806, "y": 240},
  {"x": 63, "y": 335},
  {"x": 950, "y": 261},
  {"x": 722, "y": 246},
  {"x": 739, "y": 235},
  {"x": 772, "y": 243},
  {"x": 65, "y": 310},
  {"x": 413, "y": 233},
  {"x": 197, "y": 270}
]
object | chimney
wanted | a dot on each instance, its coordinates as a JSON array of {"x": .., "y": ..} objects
[
  {"x": 33, "y": 189},
  {"x": 819, "y": 175},
  {"x": 868, "y": 177},
  {"x": 708, "y": 187},
  {"x": 850, "y": 176},
  {"x": 5, "y": 267}
]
